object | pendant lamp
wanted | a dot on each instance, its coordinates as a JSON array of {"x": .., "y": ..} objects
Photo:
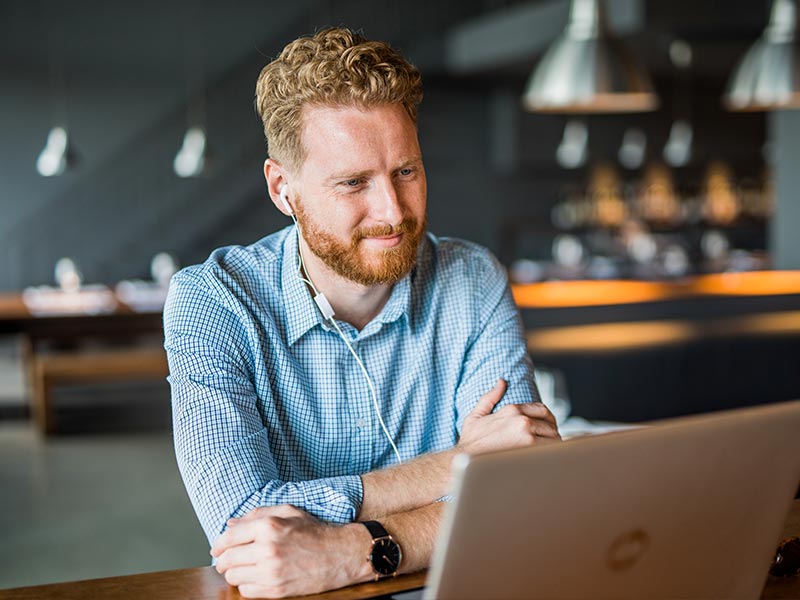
[
  {"x": 587, "y": 71},
  {"x": 768, "y": 77}
]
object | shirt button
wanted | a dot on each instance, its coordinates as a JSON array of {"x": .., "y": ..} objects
[{"x": 361, "y": 423}]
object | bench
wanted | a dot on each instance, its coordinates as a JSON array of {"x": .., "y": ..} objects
[{"x": 51, "y": 369}]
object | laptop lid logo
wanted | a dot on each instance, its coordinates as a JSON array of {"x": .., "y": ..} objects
[{"x": 625, "y": 551}]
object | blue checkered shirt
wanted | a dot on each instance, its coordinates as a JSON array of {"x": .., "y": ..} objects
[{"x": 270, "y": 407}]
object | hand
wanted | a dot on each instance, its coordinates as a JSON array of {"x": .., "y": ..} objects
[
  {"x": 513, "y": 426},
  {"x": 281, "y": 551}
]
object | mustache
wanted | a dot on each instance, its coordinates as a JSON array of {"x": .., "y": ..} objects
[{"x": 405, "y": 226}]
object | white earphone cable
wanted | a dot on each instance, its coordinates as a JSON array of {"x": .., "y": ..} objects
[
  {"x": 371, "y": 389},
  {"x": 327, "y": 312}
]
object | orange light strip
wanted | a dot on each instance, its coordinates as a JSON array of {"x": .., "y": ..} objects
[
  {"x": 637, "y": 335},
  {"x": 609, "y": 337},
  {"x": 589, "y": 293},
  {"x": 558, "y": 294},
  {"x": 755, "y": 283}
]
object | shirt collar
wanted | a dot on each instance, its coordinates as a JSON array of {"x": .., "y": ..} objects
[
  {"x": 398, "y": 303},
  {"x": 302, "y": 313}
]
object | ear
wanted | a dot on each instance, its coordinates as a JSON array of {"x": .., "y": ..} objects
[{"x": 276, "y": 177}]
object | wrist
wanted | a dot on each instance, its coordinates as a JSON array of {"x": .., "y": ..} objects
[
  {"x": 386, "y": 554},
  {"x": 447, "y": 467},
  {"x": 359, "y": 540}
]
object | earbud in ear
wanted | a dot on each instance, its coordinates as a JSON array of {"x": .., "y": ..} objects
[{"x": 285, "y": 199}]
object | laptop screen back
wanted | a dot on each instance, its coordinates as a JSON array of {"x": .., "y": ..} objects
[{"x": 688, "y": 508}]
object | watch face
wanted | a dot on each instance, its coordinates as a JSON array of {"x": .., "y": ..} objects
[{"x": 385, "y": 556}]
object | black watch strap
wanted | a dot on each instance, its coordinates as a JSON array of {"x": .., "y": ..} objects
[{"x": 376, "y": 530}]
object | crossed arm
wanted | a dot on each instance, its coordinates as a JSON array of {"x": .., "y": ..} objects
[
  {"x": 276, "y": 549},
  {"x": 282, "y": 550}
]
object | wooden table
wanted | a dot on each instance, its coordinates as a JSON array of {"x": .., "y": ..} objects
[
  {"x": 53, "y": 352},
  {"x": 205, "y": 583},
  {"x": 15, "y": 318}
]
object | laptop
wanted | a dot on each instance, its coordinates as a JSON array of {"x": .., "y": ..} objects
[{"x": 687, "y": 508}]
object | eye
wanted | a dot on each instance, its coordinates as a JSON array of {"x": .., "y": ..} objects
[
  {"x": 353, "y": 185},
  {"x": 406, "y": 171}
]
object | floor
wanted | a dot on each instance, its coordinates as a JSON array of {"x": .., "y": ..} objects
[{"x": 102, "y": 498}]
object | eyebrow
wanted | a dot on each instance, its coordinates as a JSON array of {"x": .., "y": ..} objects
[{"x": 346, "y": 176}]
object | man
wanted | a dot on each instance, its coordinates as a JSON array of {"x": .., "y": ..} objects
[{"x": 290, "y": 423}]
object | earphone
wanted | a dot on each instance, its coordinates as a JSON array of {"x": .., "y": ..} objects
[
  {"x": 327, "y": 312},
  {"x": 285, "y": 199}
]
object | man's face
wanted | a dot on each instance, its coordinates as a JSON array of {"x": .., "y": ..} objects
[{"x": 360, "y": 195}]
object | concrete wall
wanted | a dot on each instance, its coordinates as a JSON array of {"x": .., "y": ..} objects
[
  {"x": 785, "y": 155},
  {"x": 491, "y": 168}
]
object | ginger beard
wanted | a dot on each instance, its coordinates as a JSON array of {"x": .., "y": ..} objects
[{"x": 350, "y": 261}]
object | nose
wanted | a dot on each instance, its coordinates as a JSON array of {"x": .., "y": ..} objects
[{"x": 387, "y": 203}]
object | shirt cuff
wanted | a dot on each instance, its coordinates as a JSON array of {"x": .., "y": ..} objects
[{"x": 334, "y": 499}]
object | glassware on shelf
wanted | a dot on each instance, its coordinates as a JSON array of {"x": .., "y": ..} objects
[{"x": 721, "y": 201}]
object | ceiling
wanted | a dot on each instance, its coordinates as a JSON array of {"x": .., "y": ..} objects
[{"x": 158, "y": 42}]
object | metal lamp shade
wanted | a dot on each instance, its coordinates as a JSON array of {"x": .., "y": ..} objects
[
  {"x": 588, "y": 75},
  {"x": 586, "y": 71},
  {"x": 768, "y": 77}
]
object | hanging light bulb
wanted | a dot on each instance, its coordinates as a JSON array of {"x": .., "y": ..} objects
[
  {"x": 585, "y": 70},
  {"x": 678, "y": 149},
  {"x": 191, "y": 158},
  {"x": 571, "y": 151},
  {"x": 54, "y": 157},
  {"x": 768, "y": 77},
  {"x": 631, "y": 152}
]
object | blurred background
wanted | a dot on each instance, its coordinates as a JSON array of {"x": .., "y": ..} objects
[{"x": 634, "y": 164}]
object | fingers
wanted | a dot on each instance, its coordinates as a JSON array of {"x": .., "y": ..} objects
[
  {"x": 544, "y": 429},
  {"x": 537, "y": 410},
  {"x": 236, "y": 557},
  {"x": 266, "y": 520},
  {"x": 286, "y": 511},
  {"x": 532, "y": 418},
  {"x": 261, "y": 591},
  {"x": 233, "y": 536},
  {"x": 488, "y": 401},
  {"x": 251, "y": 583},
  {"x": 241, "y": 575}
]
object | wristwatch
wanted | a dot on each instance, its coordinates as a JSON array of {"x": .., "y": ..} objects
[{"x": 385, "y": 555}]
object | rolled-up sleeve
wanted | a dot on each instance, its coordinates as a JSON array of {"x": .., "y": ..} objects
[{"x": 221, "y": 443}]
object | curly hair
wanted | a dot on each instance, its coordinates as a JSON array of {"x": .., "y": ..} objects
[{"x": 334, "y": 67}]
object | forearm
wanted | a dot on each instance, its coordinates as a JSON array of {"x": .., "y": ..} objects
[
  {"x": 406, "y": 487},
  {"x": 416, "y": 532}
]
